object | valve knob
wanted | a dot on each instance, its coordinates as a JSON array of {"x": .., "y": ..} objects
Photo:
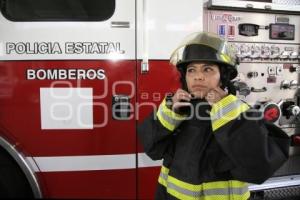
[
  {"x": 293, "y": 84},
  {"x": 285, "y": 84},
  {"x": 252, "y": 74},
  {"x": 284, "y": 54},
  {"x": 293, "y": 110},
  {"x": 294, "y": 55},
  {"x": 242, "y": 87}
]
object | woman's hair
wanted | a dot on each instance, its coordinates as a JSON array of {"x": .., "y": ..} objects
[{"x": 224, "y": 79}]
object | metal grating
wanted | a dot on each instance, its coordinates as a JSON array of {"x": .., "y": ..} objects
[{"x": 287, "y": 193}]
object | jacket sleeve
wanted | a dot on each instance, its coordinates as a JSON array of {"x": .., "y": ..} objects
[
  {"x": 157, "y": 130},
  {"x": 256, "y": 148}
]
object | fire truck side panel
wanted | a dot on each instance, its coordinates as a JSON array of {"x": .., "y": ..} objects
[
  {"x": 22, "y": 107},
  {"x": 104, "y": 184},
  {"x": 60, "y": 83}
]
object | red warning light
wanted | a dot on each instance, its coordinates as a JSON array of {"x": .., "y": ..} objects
[
  {"x": 271, "y": 113},
  {"x": 296, "y": 140}
]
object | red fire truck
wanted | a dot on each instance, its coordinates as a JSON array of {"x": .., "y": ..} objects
[{"x": 76, "y": 77}]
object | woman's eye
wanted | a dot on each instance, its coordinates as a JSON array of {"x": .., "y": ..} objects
[
  {"x": 208, "y": 69},
  {"x": 191, "y": 70}
]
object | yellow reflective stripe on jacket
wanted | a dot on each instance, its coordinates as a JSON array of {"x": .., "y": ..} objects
[
  {"x": 226, "y": 110},
  {"x": 163, "y": 176},
  {"x": 162, "y": 181},
  {"x": 222, "y": 103},
  {"x": 229, "y": 116},
  {"x": 169, "y": 119},
  {"x": 219, "y": 190},
  {"x": 164, "y": 170}
]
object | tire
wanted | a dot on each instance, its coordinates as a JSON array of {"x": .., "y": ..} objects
[{"x": 13, "y": 182}]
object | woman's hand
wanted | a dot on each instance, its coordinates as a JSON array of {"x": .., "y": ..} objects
[
  {"x": 180, "y": 99},
  {"x": 215, "y": 95}
]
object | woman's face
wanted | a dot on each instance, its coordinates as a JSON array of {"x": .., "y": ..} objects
[{"x": 201, "y": 78}]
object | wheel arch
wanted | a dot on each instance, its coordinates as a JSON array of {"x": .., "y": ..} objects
[{"x": 25, "y": 165}]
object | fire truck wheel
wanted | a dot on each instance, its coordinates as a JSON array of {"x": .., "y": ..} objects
[{"x": 13, "y": 183}]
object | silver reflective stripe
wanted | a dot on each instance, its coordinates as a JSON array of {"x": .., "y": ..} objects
[
  {"x": 184, "y": 191},
  {"x": 226, "y": 191},
  {"x": 207, "y": 192},
  {"x": 222, "y": 112},
  {"x": 171, "y": 121},
  {"x": 163, "y": 176}
]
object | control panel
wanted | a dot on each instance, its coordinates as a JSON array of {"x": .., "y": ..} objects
[
  {"x": 266, "y": 52},
  {"x": 267, "y": 47}
]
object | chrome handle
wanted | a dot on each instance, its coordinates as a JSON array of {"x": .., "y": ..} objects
[
  {"x": 264, "y": 89},
  {"x": 120, "y": 24}
]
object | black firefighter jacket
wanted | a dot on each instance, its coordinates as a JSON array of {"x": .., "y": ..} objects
[{"x": 215, "y": 153}]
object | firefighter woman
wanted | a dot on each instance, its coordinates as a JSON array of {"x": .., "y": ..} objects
[{"x": 212, "y": 144}]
